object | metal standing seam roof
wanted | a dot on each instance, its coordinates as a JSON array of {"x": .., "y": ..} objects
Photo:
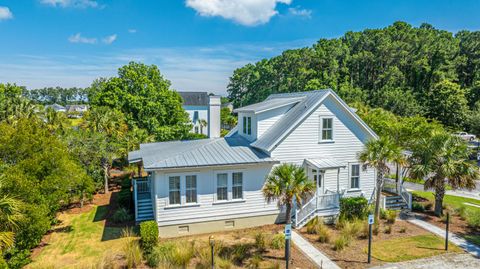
[
  {"x": 269, "y": 104},
  {"x": 325, "y": 163},
  {"x": 198, "y": 153},
  {"x": 195, "y": 98}
]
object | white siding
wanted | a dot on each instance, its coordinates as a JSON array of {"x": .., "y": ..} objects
[
  {"x": 349, "y": 139},
  {"x": 268, "y": 118},
  {"x": 202, "y": 115},
  {"x": 207, "y": 209}
]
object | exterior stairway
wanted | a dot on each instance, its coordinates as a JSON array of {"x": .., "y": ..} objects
[
  {"x": 395, "y": 202},
  {"x": 144, "y": 208},
  {"x": 325, "y": 205}
]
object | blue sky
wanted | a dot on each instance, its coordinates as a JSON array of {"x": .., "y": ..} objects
[{"x": 196, "y": 43}]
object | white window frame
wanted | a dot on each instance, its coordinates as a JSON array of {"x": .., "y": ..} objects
[
  {"x": 242, "y": 186},
  {"x": 189, "y": 189},
  {"x": 183, "y": 189},
  {"x": 247, "y": 125},
  {"x": 321, "y": 139},
  {"x": 179, "y": 190},
  {"x": 229, "y": 186},
  {"x": 350, "y": 170}
]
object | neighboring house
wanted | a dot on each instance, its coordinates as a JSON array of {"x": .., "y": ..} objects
[
  {"x": 56, "y": 108},
  {"x": 229, "y": 105},
  {"x": 215, "y": 184},
  {"x": 204, "y": 112},
  {"x": 76, "y": 110}
]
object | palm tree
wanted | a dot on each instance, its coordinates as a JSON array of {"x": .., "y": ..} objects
[
  {"x": 377, "y": 154},
  {"x": 441, "y": 159},
  {"x": 286, "y": 183},
  {"x": 10, "y": 215},
  {"x": 203, "y": 123}
]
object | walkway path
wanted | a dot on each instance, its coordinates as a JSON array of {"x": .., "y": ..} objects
[
  {"x": 455, "y": 239},
  {"x": 312, "y": 252}
]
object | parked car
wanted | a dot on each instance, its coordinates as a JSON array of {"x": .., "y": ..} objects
[{"x": 466, "y": 136}]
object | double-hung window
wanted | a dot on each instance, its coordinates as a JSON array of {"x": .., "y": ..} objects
[
  {"x": 222, "y": 187},
  {"x": 191, "y": 189},
  {"x": 355, "y": 176},
  {"x": 247, "y": 125},
  {"x": 174, "y": 190},
  {"x": 237, "y": 185},
  {"x": 326, "y": 129}
]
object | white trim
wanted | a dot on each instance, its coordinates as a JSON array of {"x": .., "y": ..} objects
[
  {"x": 229, "y": 185},
  {"x": 320, "y": 132},
  {"x": 183, "y": 189},
  {"x": 359, "y": 188},
  {"x": 256, "y": 112}
]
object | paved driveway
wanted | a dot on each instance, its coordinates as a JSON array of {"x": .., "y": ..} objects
[{"x": 449, "y": 261}]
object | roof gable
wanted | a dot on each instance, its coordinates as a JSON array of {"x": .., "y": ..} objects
[{"x": 292, "y": 119}]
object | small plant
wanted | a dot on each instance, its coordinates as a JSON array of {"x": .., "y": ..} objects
[
  {"x": 461, "y": 211},
  {"x": 418, "y": 207},
  {"x": 182, "y": 255},
  {"x": 278, "y": 241},
  {"x": 149, "y": 235},
  {"x": 324, "y": 236},
  {"x": 273, "y": 265},
  {"x": 124, "y": 198},
  {"x": 473, "y": 219},
  {"x": 375, "y": 228},
  {"x": 403, "y": 230},
  {"x": 352, "y": 229},
  {"x": 341, "y": 243},
  {"x": 391, "y": 216},
  {"x": 121, "y": 215},
  {"x": 428, "y": 206},
  {"x": 388, "y": 229},
  {"x": 312, "y": 226},
  {"x": 383, "y": 213},
  {"x": 353, "y": 208},
  {"x": 222, "y": 263},
  {"x": 255, "y": 261},
  {"x": 131, "y": 249},
  {"x": 240, "y": 252},
  {"x": 260, "y": 243}
]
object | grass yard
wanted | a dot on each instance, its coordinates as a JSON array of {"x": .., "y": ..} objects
[
  {"x": 80, "y": 241},
  {"x": 450, "y": 200},
  {"x": 410, "y": 248}
]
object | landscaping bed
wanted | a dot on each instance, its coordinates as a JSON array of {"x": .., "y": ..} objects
[
  {"x": 398, "y": 241},
  {"x": 459, "y": 214}
]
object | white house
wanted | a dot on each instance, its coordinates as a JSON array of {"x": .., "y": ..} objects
[
  {"x": 215, "y": 184},
  {"x": 203, "y": 111}
]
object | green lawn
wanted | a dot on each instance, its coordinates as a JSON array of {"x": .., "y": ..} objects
[
  {"x": 410, "y": 248},
  {"x": 453, "y": 201},
  {"x": 81, "y": 241}
]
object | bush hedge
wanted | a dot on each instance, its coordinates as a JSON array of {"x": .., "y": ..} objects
[
  {"x": 353, "y": 208},
  {"x": 149, "y": 235}
]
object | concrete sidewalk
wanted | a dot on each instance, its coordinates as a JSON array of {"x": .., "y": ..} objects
[
  {"x": 312, "y": 252},
  {"x": 455, "y": 239}
]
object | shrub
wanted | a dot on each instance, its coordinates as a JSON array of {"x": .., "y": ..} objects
[
  {"x": 473, "y": 219},
  {"x": 131, "y": 249},
  {"x": 352, "y": 229},
  {"x": 375, "y": 228},
  {"x": 312, "y": 226},
  {"x": 324, "y": 236},
  {"x": 124, "y": 198},
  {"x": 222, "y": 263},
  {"x": 240, "y": 252},
  {"x": 260, "y": 244},
  {"x": 273, "y": 265},
  {"x": 388, "y": 229},
  {"x": 391, "y": 216},
  {"x": 278, "y": 241},
  {"x": 149, "y": 235},
  {"x": 383, "y": 213},
  {"x": 428, "y": 206},
  {"x": 341, "y": 243},
  {"x": 353, "y": 208},
  {"x": 121, "y": 215},
  {"x": 417, "y": 207},
  {"x": 182, "y": 255},
  {"x": 403, "y": 230},
  {"x": 126, "y": 182},
  {"x": 255, "y": 261},
  {"x": 461, "y": 211},
  {"x": 170, "y": 254}
]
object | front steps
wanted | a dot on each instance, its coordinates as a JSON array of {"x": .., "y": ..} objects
[
  {"x": 144, "y": 210},
  {"x": 395, "y": 202},
  {"x": 324, "y": 213}
]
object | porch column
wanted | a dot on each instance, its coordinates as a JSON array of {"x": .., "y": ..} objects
[
  {"x": 338, "y": 180},
  {"x": 318, "y": 180}
]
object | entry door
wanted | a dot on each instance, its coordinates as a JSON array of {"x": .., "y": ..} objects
[{"x": 318, "y": 178}]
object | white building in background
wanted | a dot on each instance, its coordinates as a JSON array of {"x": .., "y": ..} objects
[
  {"x": 204, "y": 112},
  {"x": 214, "y": 184}
]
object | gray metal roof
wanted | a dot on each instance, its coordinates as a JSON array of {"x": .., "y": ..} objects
[
  {"x": 288, "y": 122},
  {"x": 197, "y": 153},
  {"x": 325, "y": 163},
  {"x": 269, "y": 104},
  {"x": 195, "y": 98}
]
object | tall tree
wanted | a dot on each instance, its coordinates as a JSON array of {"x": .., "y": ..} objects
[
  {"x": 443, "y": 159},
  {"x": 378, "y": 154},
  {"x": 10, "y": 215}
]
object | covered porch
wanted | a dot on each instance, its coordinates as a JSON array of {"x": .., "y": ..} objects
[{"x": 325, "y": 201}]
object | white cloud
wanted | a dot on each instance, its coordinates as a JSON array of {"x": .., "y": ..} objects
[
  {"x": 78, "y": 38},
  {"x": 72, "y": 3},
  {"x": 5, "y": 13},
  {"x": 297, "y": 11},
  {"x": 245, "y": 12},
  {"x": 109, "y": 39},
  {"x": 132, "y": 31}
]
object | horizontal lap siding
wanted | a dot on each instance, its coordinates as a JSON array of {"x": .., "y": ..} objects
[
  {"x": 349, "y": 139},
  {"x": 266, "y": 119},
  {"x": 254, "y": 204}
]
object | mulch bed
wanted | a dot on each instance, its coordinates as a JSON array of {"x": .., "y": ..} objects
[{"x": 355, "y": 255}]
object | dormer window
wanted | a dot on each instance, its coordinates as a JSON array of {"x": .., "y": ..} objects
[
  {"x": 326, "y": 129},
  {"x": 247, "y": 125}
]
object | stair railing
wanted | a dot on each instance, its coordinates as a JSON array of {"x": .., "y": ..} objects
[
  {"x": 305, "y": 211},
  {"x": 407, "y": 196}
]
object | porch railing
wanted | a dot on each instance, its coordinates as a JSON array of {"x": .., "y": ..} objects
[
  {"x": 318, "y": 202},
  {"x": 141, "y": 189},
  {"x": 393, "y": 187}
]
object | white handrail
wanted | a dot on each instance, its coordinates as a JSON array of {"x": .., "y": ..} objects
[{"x": 326, "y": 201}]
